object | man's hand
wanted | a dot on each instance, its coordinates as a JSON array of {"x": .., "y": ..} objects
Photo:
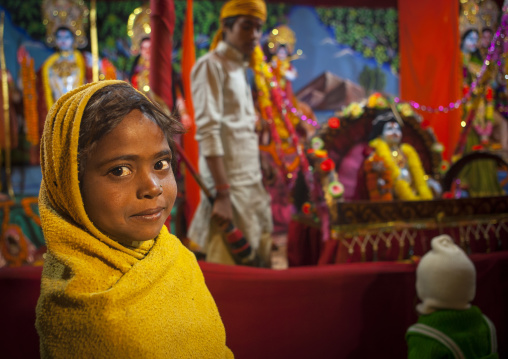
[{"x": 222, "y": 211}]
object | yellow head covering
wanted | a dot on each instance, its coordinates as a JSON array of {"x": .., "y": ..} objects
[
  {"x": 98, "y": 298},
  {"x": 256, "y": 8}
]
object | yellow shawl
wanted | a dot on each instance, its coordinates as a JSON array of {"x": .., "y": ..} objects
[{"x": 98, "y": 298}]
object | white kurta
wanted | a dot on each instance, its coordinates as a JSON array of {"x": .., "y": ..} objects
[{"x": 225, "y": 120}]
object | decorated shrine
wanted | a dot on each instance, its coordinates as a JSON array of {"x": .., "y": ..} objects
[{"x": 371, "y": 144}]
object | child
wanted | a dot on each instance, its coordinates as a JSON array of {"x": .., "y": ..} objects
[
  {"x": 449, "y": 327},
  {"x": 115, "y": 283}
]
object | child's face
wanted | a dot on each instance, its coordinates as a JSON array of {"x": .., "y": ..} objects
[{"x": 128, "y": 186}]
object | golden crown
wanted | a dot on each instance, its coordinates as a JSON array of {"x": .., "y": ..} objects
[
  {"x": 70, "y": 14},
  {"x": 477, "y": 15},
  {"x": 138, "y": 26},
  {"x": 281, "y": 35}
]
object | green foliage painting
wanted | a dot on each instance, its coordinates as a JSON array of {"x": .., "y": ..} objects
[
  {"x": 373, "y": 33},
  {"x": 372, "y": 79},
  {"x": 112, "y": 19}
]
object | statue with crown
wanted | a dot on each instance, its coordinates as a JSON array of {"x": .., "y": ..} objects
[
  {"x": 139, "y": 31},
  {"x": 67, "y": 68},
  {"x": 485, "y": 130}
]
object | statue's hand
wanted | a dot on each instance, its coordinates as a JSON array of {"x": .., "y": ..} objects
[
  {"x": 22, "y": 55},
  {"x": 435, "y": 186}
]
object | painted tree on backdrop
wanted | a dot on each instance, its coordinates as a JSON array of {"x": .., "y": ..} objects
[{"x": 372, "y": 33}]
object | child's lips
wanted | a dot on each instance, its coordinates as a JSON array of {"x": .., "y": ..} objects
[{"x": 149, "y": 214}]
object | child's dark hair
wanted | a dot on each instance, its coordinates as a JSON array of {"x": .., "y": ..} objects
[{"x": 108, "y": 107}]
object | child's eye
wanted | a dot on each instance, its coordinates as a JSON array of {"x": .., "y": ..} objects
[
  {"x": 162, "y": 165},
  {"x": 120, "y": 171}
]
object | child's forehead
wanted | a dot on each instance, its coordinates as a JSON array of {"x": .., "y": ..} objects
[{"x": 135, "y": 136}]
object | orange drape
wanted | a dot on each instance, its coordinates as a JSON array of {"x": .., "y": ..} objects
[
  {"x": 190, "y": 144},
  {"x": 430, "y": 62}
]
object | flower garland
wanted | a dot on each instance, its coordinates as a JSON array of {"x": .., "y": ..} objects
[
  {"x": 377, "y": 100},
  {"x": 266, "y": 106},
  {"x": 30, "y": 100},
  {"x": 376, "y": 169},
  {"x": 273, "y": 109},
  {"x": 402, "y": 188},
  {"x": 417, "y": 172},
  {"x": 483, "y": 122},
  {"x": 332, "y": 188},
  {"x": 26, "y": 203},
  {"x": 14, "y": 260},
  {"x": 108, "y": 70}
]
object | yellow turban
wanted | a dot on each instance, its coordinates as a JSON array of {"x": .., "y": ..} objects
[{"x": 256, "y": 8}]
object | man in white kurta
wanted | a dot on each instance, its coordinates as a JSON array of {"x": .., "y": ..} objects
[{"x": 229, "y": 154}]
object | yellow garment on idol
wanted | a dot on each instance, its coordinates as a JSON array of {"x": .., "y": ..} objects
[
  {"x": 256, "y": 8},
  {"x": 100, "y": 299}
]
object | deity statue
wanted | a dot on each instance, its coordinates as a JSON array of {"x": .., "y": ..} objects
[
  {"x": 63, "y": 71},
  {"x": 285, "y": 124},
  {"x": 485, "y": 129},
  {"x": 66, "y": 69},
  {"x": 396, "y": 166},
  {"x": 280, "y": 53},
  {"x": 281, "y": 47},
  {"x": 138, "y": 29}
]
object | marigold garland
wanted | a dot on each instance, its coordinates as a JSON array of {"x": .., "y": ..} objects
[
  {"x": 30, "y": 101},
  {"x": 417, "y": 172},
  {"x": 273, "y": 110},
  {"x": 402, "y": 188},
  {"x": 484, "y": 117},
  {"x": 108, "y": 70},
  {"x": 20, "y": 258},
  {"x": 27, "y": 203},
  {"x": 373, "y": 174}
]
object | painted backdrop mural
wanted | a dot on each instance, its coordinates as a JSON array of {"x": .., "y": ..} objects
[{"x": 347, "y": 53}]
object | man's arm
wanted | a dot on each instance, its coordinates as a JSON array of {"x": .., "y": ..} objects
[
  {"x": 207, "y": 85},
  {"x": 222, "y": 210}
]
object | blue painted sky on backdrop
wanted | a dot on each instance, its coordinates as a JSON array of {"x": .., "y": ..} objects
[{"x": 323, "y": 53}]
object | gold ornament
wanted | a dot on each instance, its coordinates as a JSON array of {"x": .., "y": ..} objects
[
  {"x": 70, "y": 14},
  {"x": 281, "y": 35},
  {"x": 477, "y": 15},
  {"x": 489, "y": 14},
  {"x": 138, "y": 27}
]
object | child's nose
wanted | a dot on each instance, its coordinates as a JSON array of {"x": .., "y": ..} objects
[{"x": 149, "y": 186}]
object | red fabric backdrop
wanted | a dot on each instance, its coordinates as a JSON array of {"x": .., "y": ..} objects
[
  {"x": 430, "y": 62},
  {"x": 162, "y": 22},
  {"x": 358, "y": 310}
]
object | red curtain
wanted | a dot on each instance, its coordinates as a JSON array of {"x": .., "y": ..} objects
[
  {"x": 190, "y": 144},
  {"x": 163, "y": 24},
  {"x": 356, "y": 310},
  {"x": 430, "y": 62}
]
